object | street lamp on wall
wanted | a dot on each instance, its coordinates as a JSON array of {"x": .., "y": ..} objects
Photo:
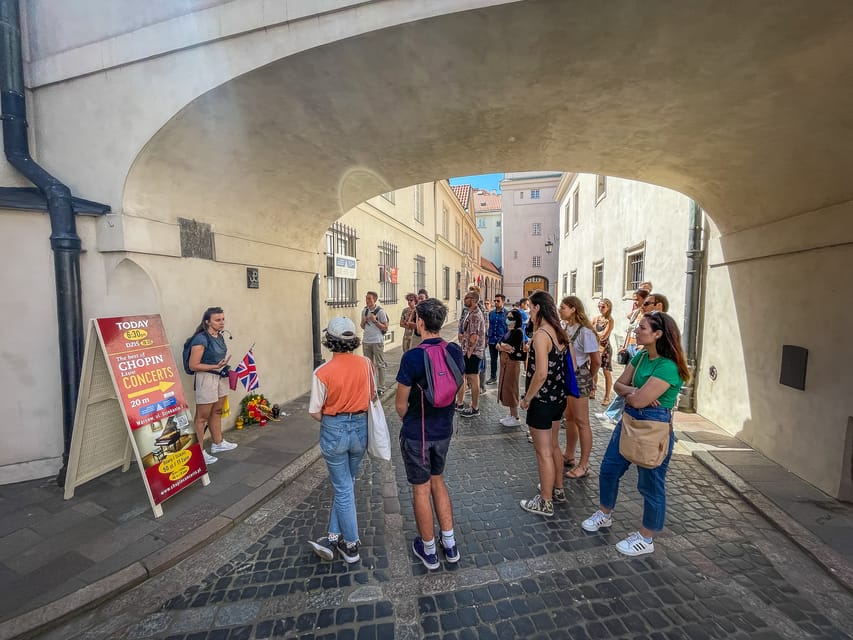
[{"x": 549, "y": 245}]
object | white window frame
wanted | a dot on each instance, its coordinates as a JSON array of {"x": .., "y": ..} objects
[
  {"x": 633, "y": 276},
  {"x": 536, "y": 228},
  {"x": 576, "y": 214},
  {"x": 598, "y": 292},
  {"x": 536, "y": 262},
  {"x": 600, "y": 187},
  {"x": 535, "y": 194},
  {"x": 573, "y": 282}
]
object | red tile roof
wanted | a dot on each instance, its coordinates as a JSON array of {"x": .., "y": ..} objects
[
  {"x": 463, "y": 194},
  {"x": 488, "y": 265},
  {"x": 486, "y": 201}
]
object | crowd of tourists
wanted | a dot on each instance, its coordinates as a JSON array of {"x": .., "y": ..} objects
[{"x": 559, "y": 349}]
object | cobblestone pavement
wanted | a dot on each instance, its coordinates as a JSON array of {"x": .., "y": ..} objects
[{"x": 719, "y": 570}]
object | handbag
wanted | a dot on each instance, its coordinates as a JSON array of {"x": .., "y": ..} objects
[
  {"x": 623, "y": 357},
  {"x": 378, "y": 438},
  {"x": 644, "y": 442},
  {"x": 232, "y": 379}
]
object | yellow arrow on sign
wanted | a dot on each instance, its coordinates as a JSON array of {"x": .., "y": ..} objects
[{"x": 163, "y": 386}]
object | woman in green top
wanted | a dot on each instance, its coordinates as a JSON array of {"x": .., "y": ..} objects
[{"x": 650, "y": 384}]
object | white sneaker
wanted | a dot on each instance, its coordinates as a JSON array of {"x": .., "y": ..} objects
[
  {"x": 596, "y": 521},
  {"x": 222, "y": 446},
  {"x": 635, "y": 545},
  {"x": 509, "y": 421},
  {"x": 209, "y": 459}
]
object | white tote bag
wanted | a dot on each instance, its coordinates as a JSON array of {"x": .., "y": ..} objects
[{"x": 378, "y": 439}]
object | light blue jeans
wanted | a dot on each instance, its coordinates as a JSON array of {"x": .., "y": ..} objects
[
  {"x": 651, "y": 483},
  {"x": 343, "y": 441}
]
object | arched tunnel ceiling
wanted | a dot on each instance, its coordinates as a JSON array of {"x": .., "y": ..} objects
[{"x": 747, "y": 107}]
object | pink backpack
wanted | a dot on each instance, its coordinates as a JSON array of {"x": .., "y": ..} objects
[{"x": 442, "y": 373}]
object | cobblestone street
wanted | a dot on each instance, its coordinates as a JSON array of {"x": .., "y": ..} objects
[{"x": 719, "y": 571}]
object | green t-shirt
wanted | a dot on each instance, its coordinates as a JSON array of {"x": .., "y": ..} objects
[{"x": 661, "y": 368}]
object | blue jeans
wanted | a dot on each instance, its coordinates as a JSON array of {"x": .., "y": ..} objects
[
  {"x": 343, "y": 441},
  {"x": 651, "y": 483}
]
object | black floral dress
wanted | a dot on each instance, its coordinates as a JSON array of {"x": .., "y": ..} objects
[{"x": 553, "y": 390}]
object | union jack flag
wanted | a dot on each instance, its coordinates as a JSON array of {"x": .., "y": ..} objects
[{"x": 247, "y": 373}]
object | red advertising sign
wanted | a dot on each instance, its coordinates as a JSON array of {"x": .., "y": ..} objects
[{"x": 152, "y": 397}]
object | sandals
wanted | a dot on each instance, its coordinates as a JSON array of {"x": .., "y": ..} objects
[
  {"x": 568, "y": 463},
  {"x": 606, "y": 402},
  {"x": 574, "y": 474}
]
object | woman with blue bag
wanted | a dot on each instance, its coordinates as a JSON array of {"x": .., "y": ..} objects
[{"x": 649, "y": 384}]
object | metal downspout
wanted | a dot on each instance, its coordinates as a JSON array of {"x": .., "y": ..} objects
[
  {"x": 693, "y": 285},
  {"x": 64, "y": 240}
]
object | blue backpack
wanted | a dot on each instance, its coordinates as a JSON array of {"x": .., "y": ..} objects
[
  {"x": 442, "y": 374},
  {"x": 188, "y": 347}
]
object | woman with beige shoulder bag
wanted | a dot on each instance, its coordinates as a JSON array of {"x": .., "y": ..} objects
[{"x": 650, "y": 384}]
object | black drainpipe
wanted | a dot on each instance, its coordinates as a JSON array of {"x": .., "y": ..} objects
[
  {"x": 63, "y": 227},
  {"x": 690, "y": 337},
  {"x": 315, "y": 321}
]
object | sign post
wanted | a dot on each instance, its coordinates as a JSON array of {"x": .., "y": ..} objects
[{"x": 130, "y": 377}]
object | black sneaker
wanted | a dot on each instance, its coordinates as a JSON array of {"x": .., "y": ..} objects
[
  {"x": 430, "y": 560},
  {"x": 451, "y": 554},
  {"x": 323, "y": 547},
  {"x": 470, "y": 412},
  {"x": 460, "y": 407},
  {"x": 492, "y": 381},
  {"x": 349, "y": 551}
]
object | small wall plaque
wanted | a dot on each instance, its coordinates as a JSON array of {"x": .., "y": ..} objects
[
  {"x": 253, "y": 278},
  {"x": 794, "y": 361}
]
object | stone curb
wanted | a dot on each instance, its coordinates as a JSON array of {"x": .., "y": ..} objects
[
  {"x": 835, "y": 565},
  {"x": 30, "y": 624}
]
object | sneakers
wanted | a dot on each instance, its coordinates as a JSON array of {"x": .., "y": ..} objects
[
  {"x": 209, "y": 459},
  {"x": 604, "y": 416},
  {"x": 558, "y": 494},
  {"x": 509, "y": 421},
  {"x": 537, "y": 505},
  {"x": 596, "y": 521},
  {"x": 492, "y": 381},
  {"x": 451, "y": 554},
  {"x": 222, "y": 446},
  {"x": 430, "y": 560},
  {"x": 323, "y": 547},
  {"x": 349, "y": 551},
  {"x": 635, "y": 545},
  {"x": 460, "y": 407},
  {"x": 470, "y": 412}
]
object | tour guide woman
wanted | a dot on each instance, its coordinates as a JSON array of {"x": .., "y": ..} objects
[
  {"x": 545, "y": 400},
  {"x": 208, "y": 356},
  {"x": 650, "y": 385},
  {"x": 340, "y": 392}
]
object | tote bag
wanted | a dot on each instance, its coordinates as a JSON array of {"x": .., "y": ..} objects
[
  {"x": 644, "y": 442},
  {"x": 378, "y": 439}
]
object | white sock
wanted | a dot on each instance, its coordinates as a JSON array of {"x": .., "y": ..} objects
[
  {"x": 429, "y": 547},
  {"x": 447, "y": 539},
  {"x": 333, "y": 537}
]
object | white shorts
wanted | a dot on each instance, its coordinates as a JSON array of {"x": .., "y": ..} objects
[{"x": 209, "y": 387}]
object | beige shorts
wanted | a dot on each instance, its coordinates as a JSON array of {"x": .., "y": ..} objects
[{"x": 209, "y": 387}]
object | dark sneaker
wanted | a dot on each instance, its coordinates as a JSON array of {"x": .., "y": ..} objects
[
  {"x": 348, "y": 551},
  {"x": 323, "y": 547},
  {"x": 492, "y": 381},
  {"x": 537, "y": 505},
  {"x": 470, "y": 412},
  {"x": 460, "y": 407},
  {"x": 430, "y": 560},
  {"x": 451, "y": 554}
]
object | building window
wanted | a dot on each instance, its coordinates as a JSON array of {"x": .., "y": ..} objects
[
  {"x": 600, "y": 188},
  {"x": 567, "y": 218},
  {"x": 573, "y": 282},
  {"x": 445, "y": 222},
  {"x": 341, "y": 267},
  {"x": 420, "y": 273},
  {"x": 481, "y": 223},
  {"x": 389, "y": 196},
  {"x": 521, "y": 195},
  {"x": 419, "y": 203},
  {"x": 497, "y": 239},
  {"x": 565, "y": 284},
  {"x": 445, "y": 283},
  {"x": 497, "y": 223},
  {"x": 456, "y": 240},
  {"x": 536, "y": 262},
  {"x": 458, "y": 285},
  {"x": 575, "y": 208},
  {"x": 515, "y": 255},
  {"x": 598, "y": 279},
  {"x": 536, "y": 229},
  {"x": 388, "y": 273},
  {"x": 635, "y": 259},
  {"x": 534, "y": 194}
]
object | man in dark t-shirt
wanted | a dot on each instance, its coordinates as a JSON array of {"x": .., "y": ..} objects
[{"x": 425, "y": 439}]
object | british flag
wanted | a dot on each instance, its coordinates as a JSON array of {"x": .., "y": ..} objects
[{"x": 247, "y": 373}]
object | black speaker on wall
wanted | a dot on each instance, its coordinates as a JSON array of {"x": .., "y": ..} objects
[{"x": 794, "y": 361}]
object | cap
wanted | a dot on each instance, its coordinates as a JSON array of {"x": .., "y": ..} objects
[{"x": 341, "y": 327}]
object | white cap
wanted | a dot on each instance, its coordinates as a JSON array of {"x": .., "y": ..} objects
[{"x": 341, "y": 327}]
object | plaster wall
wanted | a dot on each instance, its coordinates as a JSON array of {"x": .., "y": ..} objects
[
  {"x": 492, "y": 233},
  {"x": 745, "y": 326},
  {"x": 520, "y": 212},
  {"x": 631, "y": 214}
]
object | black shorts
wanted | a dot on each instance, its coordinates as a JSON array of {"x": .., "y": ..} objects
[
  {"x": 419, "y": 471},
  {"x": 540, "y": 414},
  {"x": 472, "y": 365}
]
